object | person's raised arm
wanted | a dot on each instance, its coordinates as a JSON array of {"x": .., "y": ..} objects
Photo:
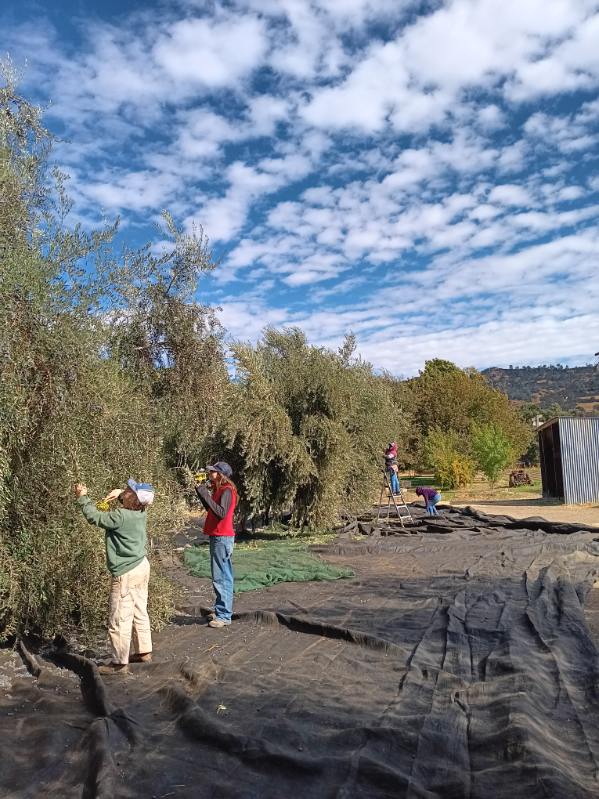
[{"x": 107, "y": 520}]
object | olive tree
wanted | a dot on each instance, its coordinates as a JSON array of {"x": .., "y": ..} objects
[
  {"x": 305, "y": 428},
  {"x": 77, "y": 402}
]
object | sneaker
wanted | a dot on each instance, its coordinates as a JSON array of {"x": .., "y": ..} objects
[
  {"x": 218, "y": 623},
  {"x": 141, "y": 657},
  {"x": 113, "y": 668}
]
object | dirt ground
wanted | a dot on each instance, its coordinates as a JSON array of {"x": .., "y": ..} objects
[{"x": 531, "y": 506}]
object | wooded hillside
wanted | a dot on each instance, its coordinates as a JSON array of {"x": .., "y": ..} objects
[{"x": 573, "y": 388}]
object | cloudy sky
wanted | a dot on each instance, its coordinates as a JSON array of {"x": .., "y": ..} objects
[{"x": 423, "y": 174}]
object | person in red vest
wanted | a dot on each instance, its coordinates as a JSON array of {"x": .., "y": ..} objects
[{"x": 220, "y": 501}]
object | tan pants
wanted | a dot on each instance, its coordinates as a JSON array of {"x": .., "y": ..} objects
[{"x": 128, "y": 620}]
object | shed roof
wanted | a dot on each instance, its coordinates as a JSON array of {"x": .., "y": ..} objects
[{"x": 555, "y": 419}]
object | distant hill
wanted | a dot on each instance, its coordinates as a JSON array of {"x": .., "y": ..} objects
[{"x": 574, "y": 388}]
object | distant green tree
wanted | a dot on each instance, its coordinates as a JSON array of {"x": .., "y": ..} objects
[
  {"x": 455, "y": 400},
  {"x": 492, "y": 450},
  {"x": 439, "y": 366},
  {"x": 348, "y": 349},
  {"x": 554, "y": 410},
  {"x": 409, "y": 435},
  {"x": 443, "y": 451},
  {"x": 529, "y": 412}
]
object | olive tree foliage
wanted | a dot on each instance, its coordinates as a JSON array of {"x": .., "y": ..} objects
[
  {"x": 95, "y": 353},
  {"x": 305, "y": 428},
  {"x": 170, "y": 345},
  {"x": 43, "y": 335}
]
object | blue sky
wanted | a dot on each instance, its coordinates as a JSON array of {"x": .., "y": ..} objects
[{"x": 422, "y": 174}]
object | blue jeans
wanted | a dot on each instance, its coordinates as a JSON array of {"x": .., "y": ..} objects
[
  {"x": 430, "y": 505},
  {"x": 221, "y": 566},
  {"x": 394, "y": 482}
]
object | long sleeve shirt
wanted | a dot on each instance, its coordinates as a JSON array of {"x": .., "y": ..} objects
[
  {"x": 208, "y": 503},
  {"x": 427, "y": 493},
  {"x": 125, "y": 534}
]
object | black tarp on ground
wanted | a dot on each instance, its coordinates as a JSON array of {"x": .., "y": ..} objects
[{"x": 458, "y": 663}]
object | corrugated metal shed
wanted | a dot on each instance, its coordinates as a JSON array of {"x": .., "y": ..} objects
[{"x": 569, "y": 450}]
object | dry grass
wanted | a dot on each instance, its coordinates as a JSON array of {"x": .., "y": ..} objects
[{"x": 479, "y": 489}]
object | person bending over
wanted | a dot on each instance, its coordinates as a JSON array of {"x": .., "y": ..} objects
[
  {"x": 125, "y": 538},
  {"x": 219, "y": 502},
  {"x": 431, "y": 498}
]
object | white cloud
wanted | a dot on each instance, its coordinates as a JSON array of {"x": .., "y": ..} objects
[
  {"x": 508, "y": 194},
  {"x": 462, "y": 44},
  {"x": 510, "y": 340},
  {"x": 567, "y": 133},
  {"x": 491, "y": 117},
  {"x": 568, "y": 193},
  {"x": 246, "y": 319},
  {"x": 573, "y": 64},
  {"x": 225, "y": 216},
  {"x": 266, "y": 111},
  {"x": 203, "y": 132},
  {"x": 130, "y": 191},
  {"x": 309, "y": 46},
  {"x": 211, "y": 53},
  {"x": 368, "y": 152}
]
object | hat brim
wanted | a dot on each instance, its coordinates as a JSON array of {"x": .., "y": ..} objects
[{"x": 216, "y": 468}]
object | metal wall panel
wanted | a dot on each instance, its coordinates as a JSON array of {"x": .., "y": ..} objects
[{"x": 579, "y": 439}]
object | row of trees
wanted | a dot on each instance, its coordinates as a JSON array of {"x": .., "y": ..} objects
[
  {"x": 465, "y": 425},
  {"x": 110, "y": 367}
]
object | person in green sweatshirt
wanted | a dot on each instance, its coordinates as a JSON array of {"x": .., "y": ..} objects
[{"x": 125, "y": 529}]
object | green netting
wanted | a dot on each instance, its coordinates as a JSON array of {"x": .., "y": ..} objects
[{"x": 258, "y": 565}]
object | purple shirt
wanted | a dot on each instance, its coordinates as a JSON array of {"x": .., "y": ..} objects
[{"x": 427, "y": 493}]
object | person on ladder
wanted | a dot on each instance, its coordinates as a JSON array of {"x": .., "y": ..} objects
[{"x": 391, "y": 466}]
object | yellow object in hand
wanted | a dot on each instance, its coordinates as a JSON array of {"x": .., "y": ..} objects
[
  {"x": 103, "y": 505},
  {"x": 200, "y": 477}
]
